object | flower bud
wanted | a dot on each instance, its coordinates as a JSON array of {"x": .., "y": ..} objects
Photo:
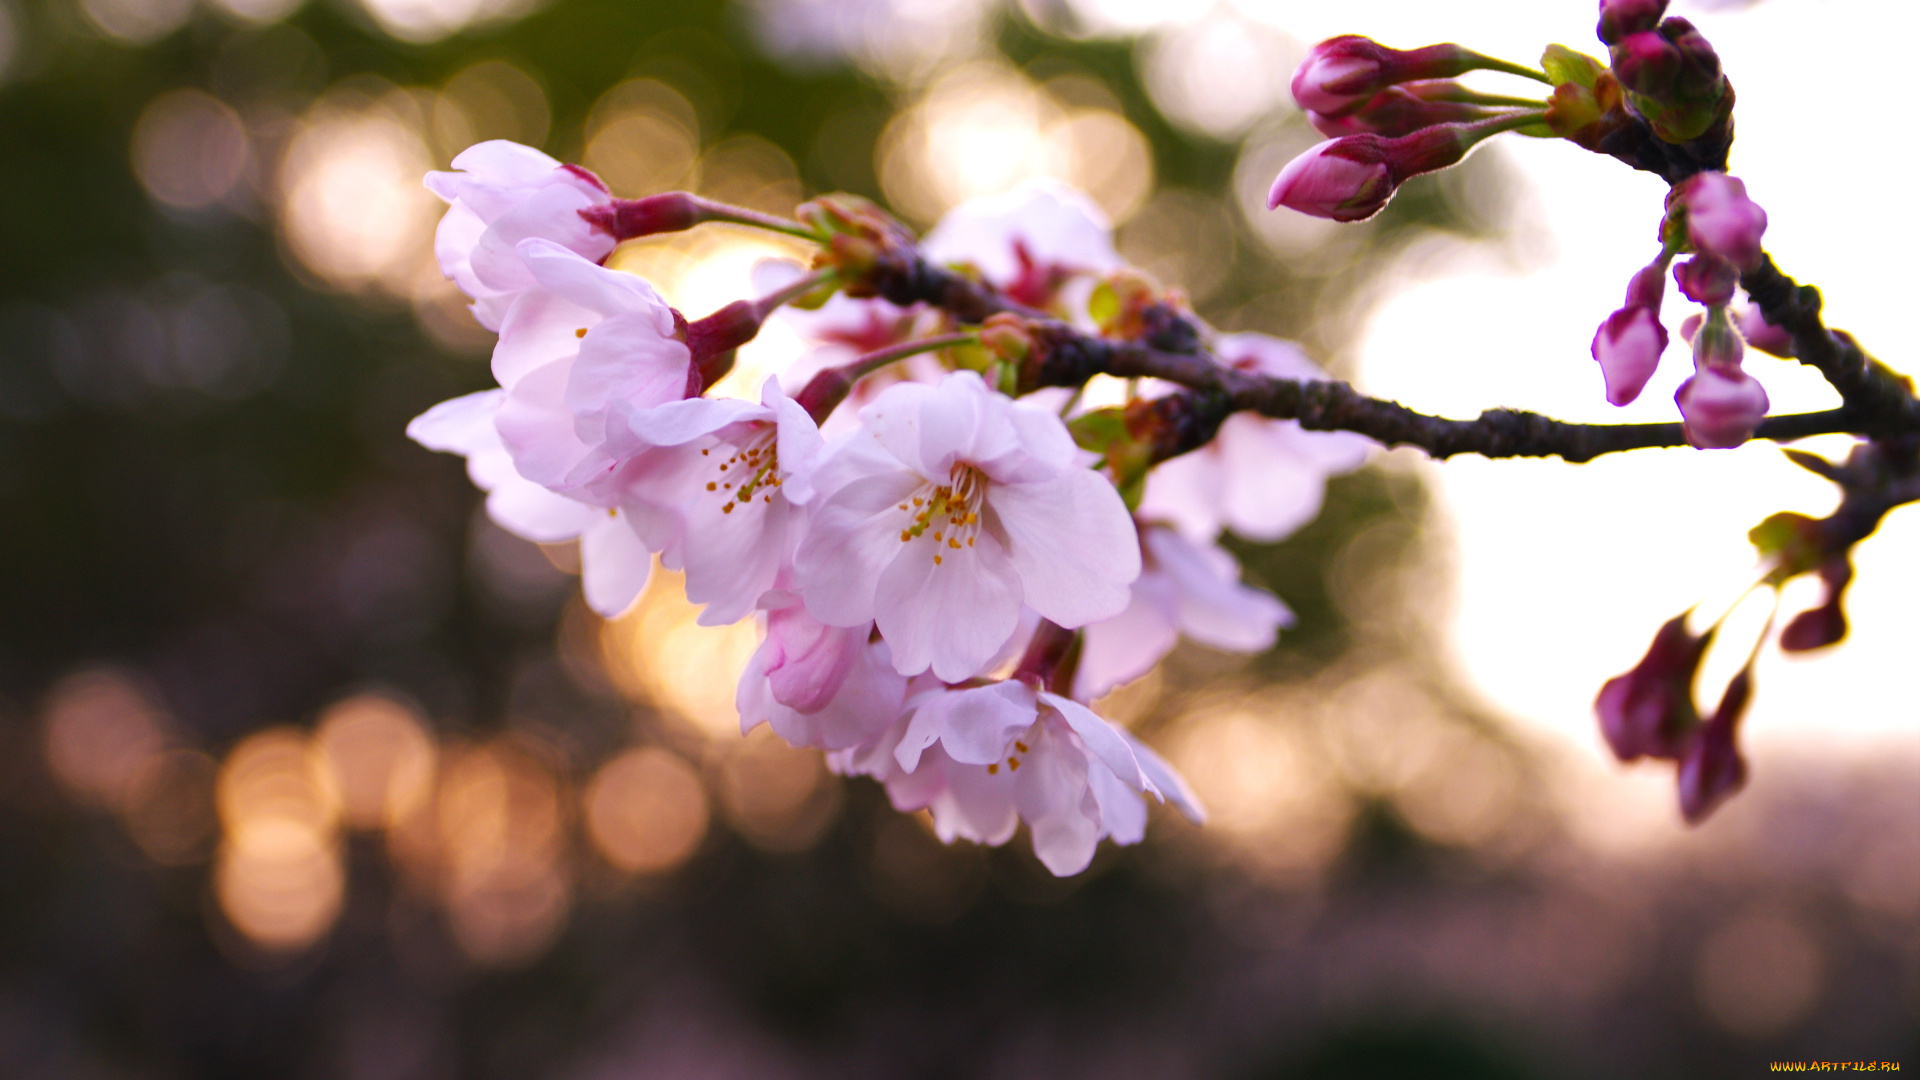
[
  {"x": 1721, "y": 406},
  {"x": 1711, "y": 769},
  {"x": 1704, "y": 279},
  {"x": 1351, "y": 178},
  {"x": 1403, "y": 110},
  {"x": 1673, "y": 77},
  {"x": 1649, "y": 712},
  {"x": 1721, "y": 220},
  {"x": 1818, "y": 627},
  {"x": 1699, "y": 78},
  {"x": 1628, "y": 347},
  {"x": 1763, "y": 335},
  {"x": 1647, "y": 63},
  {"x": 628, "y": 219},
  {"x": 1619, "y": 18},
  {"x": 1341, "y": 74},
  {"x": 806, "y": 660},
  {"x": 1629, "y": 343}
]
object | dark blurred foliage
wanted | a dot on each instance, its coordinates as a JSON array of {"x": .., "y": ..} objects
[{"x": 262, "y": 541}]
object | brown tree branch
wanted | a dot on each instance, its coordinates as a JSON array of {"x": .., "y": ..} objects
[{"x": 1878, "y": 401}]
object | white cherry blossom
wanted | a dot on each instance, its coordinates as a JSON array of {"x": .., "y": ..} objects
[
  {"x": 718, "y": 493},
  {"x": 949, "y": 508},
  {"x": 983, "y": 758},
  {"x": 1184, "y": 588},
  {"x": 613, "y": 565},
  {"x": 506, "y": 193},
  {"x": 1261, "y": 478},
  {"x": 582, "y": 356}
]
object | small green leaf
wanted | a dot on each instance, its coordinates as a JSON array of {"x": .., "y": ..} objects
[
  {"x": 1564, "y": 65},
  {"x": 1099, "y": 429},
  {"x": 1104, "y": 305}
]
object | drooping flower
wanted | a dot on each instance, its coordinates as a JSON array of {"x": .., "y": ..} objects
[
  {"x": 582, "y": 356},
  {"x": 1649, "y": 711},
  {"x": 982, "y": 759},
  {"x": 818, "y": 685},
  {"x": 1261, "y": 478},
  {"x": 947, "y": 510},
  {"x": 1184, "y": 588},
  {"x": 614, "y": 566},
  {"x": 505, "y": 193},
  {"x": 1629, "y": 343},
  {"x": 718, "y": 493},
  {"x": 1711, "y": 768}
]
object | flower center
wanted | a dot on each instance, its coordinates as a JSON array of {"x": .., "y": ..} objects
[
  {"x": 951, "y": 511},
  {"x": 753, "y": 469}
]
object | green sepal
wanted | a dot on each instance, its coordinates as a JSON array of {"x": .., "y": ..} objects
[
  {"x": 1793, "y": 541},
  {"x": 1104, "y": 305},
  {"x": 1564, "y": 65},
  {"x": 1098, "y": 429}
]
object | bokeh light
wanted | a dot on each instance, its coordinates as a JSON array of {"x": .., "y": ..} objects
[
  {"x": 103, "y": 726},
  {"x": 657, "y": 652},
  {"x": 645, "y": 810},
  {"x": 643, "y": 136},
  {"x": 137, "y": 22},
  {"x": 503, "y": 843},
  {"x": 777, "y": 797},
  {"x": 353, "y": 209},
  {"x": 379, "y": 756},
  {"x": 982, "y": 129},
  {"x": 1219, "y": 74},
  {"x": 278, "y": 876},
  {"x": 189, "y": 149}
]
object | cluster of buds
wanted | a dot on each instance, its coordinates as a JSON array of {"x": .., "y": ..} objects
[
  {"x": 1390, "y": 114},
  {"x": 1710, "y": 218},
  {"x": 1649, "y": 712},
  {"x": 1670, "y": 72},
  {"x": 913, "y": 516}
]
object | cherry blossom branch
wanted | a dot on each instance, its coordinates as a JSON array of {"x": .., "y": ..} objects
[
  {"x": 1881, "y": 395},
  {"x": 1067, "y": 357}
]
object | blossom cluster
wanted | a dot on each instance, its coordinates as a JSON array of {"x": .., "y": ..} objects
[{"x": 943, "y": 575}]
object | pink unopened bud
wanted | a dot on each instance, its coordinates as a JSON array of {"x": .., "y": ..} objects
[
  {"x": 1628, "y": 346},
  {"x": 1629, "y": 343},
  {"x": 1341, "y": 74},
  {"x": 1721, "y": 220},
  {"x": 1344, "y": 179},
  {"x": 1403, "y": 110},
  {"x": 1699, "y": 78},
  {"x": 1351, "y": 178},
  {"x": 1763, "y": 335},
  {"x": 1618, "y": 18},
  {"x": 1647, "y": 63},
  {"x": 1721, "y": 406},
  {"x": 628, "y": 219},
  {"x": 1704, "y": 279},
  {"x": 1711, "y": 769},
  {"x": 806, "y": 660},
  {"x": 1648, "y": 712},
  {"x": 1818, "y": 627}
]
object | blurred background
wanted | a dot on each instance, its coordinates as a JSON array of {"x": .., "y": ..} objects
[{"x": 308, "y": 770}]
